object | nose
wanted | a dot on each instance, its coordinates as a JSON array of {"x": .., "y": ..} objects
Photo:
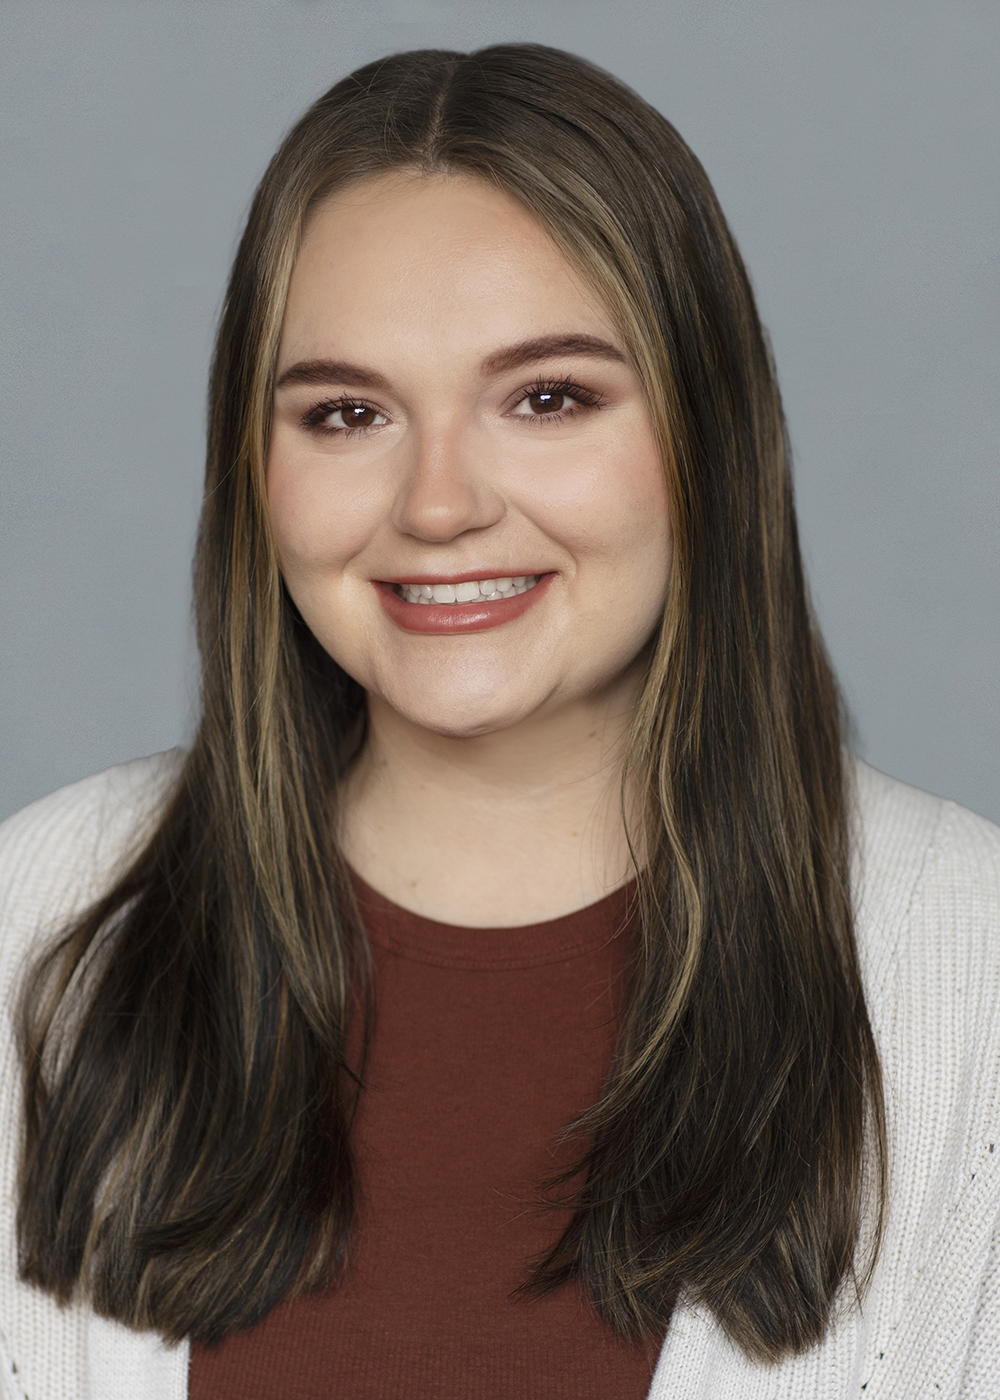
[{"x": 445, "y": 492}]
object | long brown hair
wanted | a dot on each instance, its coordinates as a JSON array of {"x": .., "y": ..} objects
[{"x": 187, "y": 1158}]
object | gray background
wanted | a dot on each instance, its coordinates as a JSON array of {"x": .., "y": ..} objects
[{"x": 855, "y": 149}]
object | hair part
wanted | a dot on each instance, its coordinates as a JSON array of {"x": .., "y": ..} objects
[{"x": 188, "y": 1100}]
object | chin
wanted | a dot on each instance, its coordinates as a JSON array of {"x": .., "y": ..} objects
[{"x": 468, "y": 718}]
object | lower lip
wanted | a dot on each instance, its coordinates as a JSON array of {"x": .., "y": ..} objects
[{"x": 447, "y": 619}]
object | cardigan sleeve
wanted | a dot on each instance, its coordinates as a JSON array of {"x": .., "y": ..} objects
[
  {"x": 56, "y": 857},
  {"x": 982, "y": 1368}
]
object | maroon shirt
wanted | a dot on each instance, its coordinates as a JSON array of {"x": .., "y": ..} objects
[{"x": 487, "y": 1041}]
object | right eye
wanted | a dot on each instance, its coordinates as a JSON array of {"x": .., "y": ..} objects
[{"x": 344, "y": 416}]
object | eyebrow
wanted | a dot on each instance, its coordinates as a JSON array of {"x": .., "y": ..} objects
[
  {"x": 525, "y": 352},
  {"x": 545, "y": 347},
  {"x": 332, "y": 372}
]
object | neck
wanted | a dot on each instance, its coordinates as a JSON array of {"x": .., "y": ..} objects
[{"x": 513, "y": 827}]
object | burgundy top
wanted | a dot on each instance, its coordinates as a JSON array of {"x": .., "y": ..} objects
[{"x": 486, "y": 1042}]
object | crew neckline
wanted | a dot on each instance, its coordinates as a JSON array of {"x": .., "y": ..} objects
[{"x": 424, "y": 940}]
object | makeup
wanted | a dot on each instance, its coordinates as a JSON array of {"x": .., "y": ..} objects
[{"x": 455, "y": 618}]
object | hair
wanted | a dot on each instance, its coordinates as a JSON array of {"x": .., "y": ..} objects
[{"x": 187, "y": 1100}]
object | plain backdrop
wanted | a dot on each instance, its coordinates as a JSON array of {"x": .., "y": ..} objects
[{"x": 855, "y": 148}]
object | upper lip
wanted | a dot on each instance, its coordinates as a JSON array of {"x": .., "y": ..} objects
[{"x": 469, "y": 576}]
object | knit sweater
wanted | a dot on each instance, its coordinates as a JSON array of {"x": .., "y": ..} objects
[{"x": 927, "y": 893}]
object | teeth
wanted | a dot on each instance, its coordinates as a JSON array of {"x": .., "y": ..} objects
[{"x": 471, "y": 592}]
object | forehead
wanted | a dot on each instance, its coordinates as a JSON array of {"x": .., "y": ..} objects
[{"x": 428, "y": 258}]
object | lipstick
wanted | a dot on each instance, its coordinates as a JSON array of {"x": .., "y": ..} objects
[{"x": 449, "y": 619}]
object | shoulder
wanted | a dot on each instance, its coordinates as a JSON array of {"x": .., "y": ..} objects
[
  {"x": 56, "y": 857},
  {"x": 928, "y": 924},
  {"x": 927, "y": 894},
  {"x": 922, "y": 861},
  {"x": 63, "y": 851},
  {"x": 927, "y": 899}
]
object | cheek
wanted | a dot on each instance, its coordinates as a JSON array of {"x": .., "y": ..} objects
[
  {"x": 319, "y": 520},
  {"x": 609, "y": 504}
]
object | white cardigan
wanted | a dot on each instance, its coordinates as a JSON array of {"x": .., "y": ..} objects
[{"x": 928, "y": 903}]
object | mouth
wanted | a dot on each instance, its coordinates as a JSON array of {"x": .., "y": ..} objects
[
  {"x": 486, "y": 590},
  {"x": 450, "y": 607}
]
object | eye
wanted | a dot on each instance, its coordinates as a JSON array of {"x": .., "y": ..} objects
[
  {"x": 544, "y": 402},
  {"x": 554, "y": 402},
  {"x": 343, "y": 416}
]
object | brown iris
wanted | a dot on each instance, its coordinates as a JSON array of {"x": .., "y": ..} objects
[
  {"x": 546, "y": 402},
  {"x": 357, "y": 415}
]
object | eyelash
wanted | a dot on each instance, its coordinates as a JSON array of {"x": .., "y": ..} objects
[{"x": 313, "y": 418}]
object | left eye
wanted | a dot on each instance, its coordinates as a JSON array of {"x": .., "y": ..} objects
[
  {"x": 543, "y": 402},
  {"x": 353, "y": 415}
]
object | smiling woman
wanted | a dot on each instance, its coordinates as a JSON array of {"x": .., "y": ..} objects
[
  {"x": 505, "y": 469},
  {"x": 516, "y": 990}
]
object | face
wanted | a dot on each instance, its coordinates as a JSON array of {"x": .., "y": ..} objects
[{"x": 456, "y": 422}]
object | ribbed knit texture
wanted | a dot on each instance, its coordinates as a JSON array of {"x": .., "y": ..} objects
[{"x": 928, "y": 900}]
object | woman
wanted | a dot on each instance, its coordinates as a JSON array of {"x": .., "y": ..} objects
[{"x": 482, "y": 1006}]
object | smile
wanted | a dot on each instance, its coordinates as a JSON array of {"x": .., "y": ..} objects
[
  {"x": 465, "y": 605},
  {"x": 471, "y": 591}
]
